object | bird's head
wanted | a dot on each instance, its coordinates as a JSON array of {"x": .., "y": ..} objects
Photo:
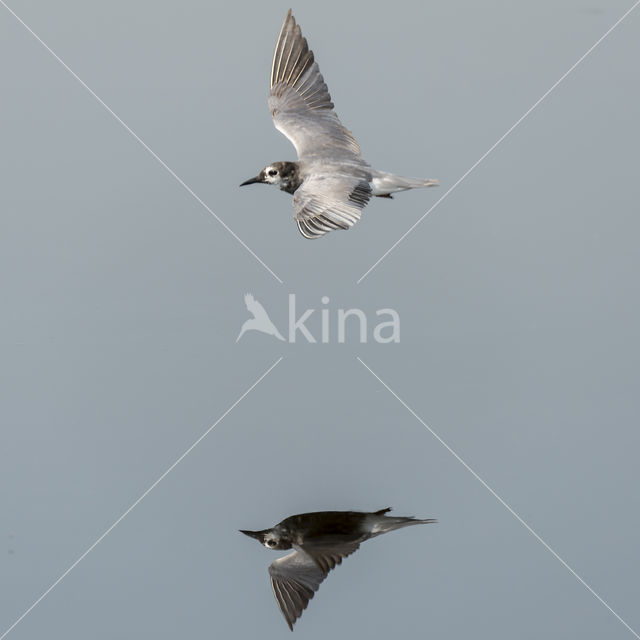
[
  {"x": 270, "y": 538},
  {"x": 280, "y": 174}
]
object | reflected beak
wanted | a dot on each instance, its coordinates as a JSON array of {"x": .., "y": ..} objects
[
  {"x": 255, "y": 180},
  {"x": 251, "y": 534}
]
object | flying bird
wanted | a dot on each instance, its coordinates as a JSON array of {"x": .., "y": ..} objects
[
  {"x": 320, "y": 541},
  {"x": 331, "y": 183},
  {"x": 260, "y": 321}
]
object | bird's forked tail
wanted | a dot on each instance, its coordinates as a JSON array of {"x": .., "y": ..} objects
[
  {"x": 383, "y": 524},
  {"x": 384, "y": 184}
]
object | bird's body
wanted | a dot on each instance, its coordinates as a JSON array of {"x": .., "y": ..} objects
[
  {"x": 320, "y": 541},
  {"x": 331, "y": 182}
]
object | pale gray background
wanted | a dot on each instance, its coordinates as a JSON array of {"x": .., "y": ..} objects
[{"x": 122, "y": 298}]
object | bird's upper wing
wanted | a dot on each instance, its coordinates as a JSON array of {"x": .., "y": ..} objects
[
  {"x": 300, "y": 103},
  {"x": 327, "y": 553},
  {"x": 334, "y": 200},
  {"x": 294, "y": 580}
]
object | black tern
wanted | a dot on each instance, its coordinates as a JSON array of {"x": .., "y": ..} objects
[
  {"x": 331, "y": 183},
  {"x": 320, "y": 541}
]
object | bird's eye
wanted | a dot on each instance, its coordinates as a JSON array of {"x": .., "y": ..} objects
[
  {"x": 273, "y": 172},
  {"x": 271, "y": 543}
]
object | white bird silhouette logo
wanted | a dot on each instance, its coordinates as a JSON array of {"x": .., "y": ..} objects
[{"x": 260, "y": 321}]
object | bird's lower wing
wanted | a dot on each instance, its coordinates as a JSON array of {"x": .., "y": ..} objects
[
  {"x": 325, "y": 202},
  {"x": 294, "y": 580}
]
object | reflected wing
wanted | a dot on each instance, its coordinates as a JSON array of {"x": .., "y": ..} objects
[
  {"x": 328, "y": 554},
  {"x": 332, "y": 201},
  {"x": 296, "y": 577},
  {"x": 300, "y": 103},
  {"x": 294, "y": 580}
]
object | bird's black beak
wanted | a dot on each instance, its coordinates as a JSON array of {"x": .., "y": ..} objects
[
  {"x": 251, "y": 534},
  {"x": 255, "y": 180}
]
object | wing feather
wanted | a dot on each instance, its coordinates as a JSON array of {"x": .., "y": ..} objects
[
  {"x": 300, "y": 102},
  {"x": 325, "y": 203},
  {"x": 297, "y": 576},
  {"x": 329, "y": 554},
  {"x": 294, "y": 579}
]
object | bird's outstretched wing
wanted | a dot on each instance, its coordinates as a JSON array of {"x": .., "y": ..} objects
[
  {"x": 296, "y": 577},
  {"x": 294, "y": 580},
  {"x": 300, "y": 103},
  {"x": 326, "y": 202}
]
